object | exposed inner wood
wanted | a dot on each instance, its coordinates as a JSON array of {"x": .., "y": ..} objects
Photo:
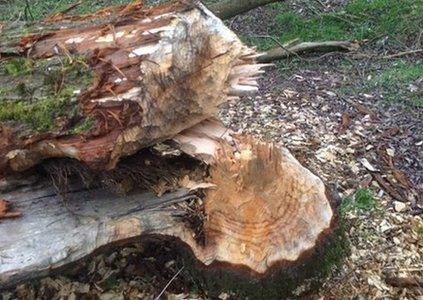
[
  {"x": 144, "y": 90},
  {"x": 262, "y": 210},
  {"x": 159, "y": 75},
  {"x": 265, "y": 209}
]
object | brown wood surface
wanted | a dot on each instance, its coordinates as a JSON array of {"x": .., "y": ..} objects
[{"x": 155, "y": 73}]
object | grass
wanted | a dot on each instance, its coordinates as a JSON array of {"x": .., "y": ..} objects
[
  {"x": 361, "y": 201},
  {"x": 39, "y": 9},
  {"x": 398, "y": 82},
  {"x": 11, "y": 10},
  {"x": 358, "y": 20}
]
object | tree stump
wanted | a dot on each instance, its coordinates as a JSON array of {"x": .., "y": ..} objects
[{"x": 154, "y": 75}]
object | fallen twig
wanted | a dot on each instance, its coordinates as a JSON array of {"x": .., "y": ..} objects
[
  {"x": 400, "y": 54},
  {"x": 170, "y": 281},
  {"x": 385, "y": 185},
  {"x": 404, "y": 282},
  {"x": 329, "y": 46}
]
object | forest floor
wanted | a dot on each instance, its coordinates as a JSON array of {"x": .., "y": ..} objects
[{"x": 356, "y": 119}]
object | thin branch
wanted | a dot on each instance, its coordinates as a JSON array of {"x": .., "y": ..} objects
[
  {"x": 284, "y": 47},
  {"x": 400, "y": 54},
  {"x": 170, "y": 281},
  {"x": 329, "y": 46}
]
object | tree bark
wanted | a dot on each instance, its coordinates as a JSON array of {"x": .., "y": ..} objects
[
  {"x": 156, "y": 75},
  {"x": 269, "y": 222},
  {"x": 229, "y": 9},
  {"x": 99, "y": 87}
]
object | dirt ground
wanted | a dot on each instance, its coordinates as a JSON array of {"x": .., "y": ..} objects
[{"x": 316, "y": 106}]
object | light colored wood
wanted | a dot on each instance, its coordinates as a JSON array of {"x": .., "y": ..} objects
[
  {"x": 307, "y": 47},
  {"x": 262, "y": 209},
  {"x": 157, "y": 72},
  {"x": 48, "y": 236},
  {"x": 265, "y": 209}
]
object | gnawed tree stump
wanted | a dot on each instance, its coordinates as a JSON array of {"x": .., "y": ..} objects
[
  {"x": 269, "y": 222},
  {"x": 156, "y": 75}
]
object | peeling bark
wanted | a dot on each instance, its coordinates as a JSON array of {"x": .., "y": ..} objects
[{"x": 156, "y": 72}]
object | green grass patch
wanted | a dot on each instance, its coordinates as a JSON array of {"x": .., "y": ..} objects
[
  {"x": 16, "y": 67},
  {"x": 398, "y": 83},
  {"x": 358, "y": 20},
  {"x": 11, "y": 10},
  {"x": 39, "y": 9},
  {"x": 361, "y": 201}
]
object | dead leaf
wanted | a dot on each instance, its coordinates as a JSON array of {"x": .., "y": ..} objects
[
  {"x": 346, "y": 121},
  {"x": 192, "y": 185},
  {"x": 402, "y": 178},
  {"x": 368, "y": 165},
  {"x": 4, "y": 210},
  {"x": 364, "y": 110}
]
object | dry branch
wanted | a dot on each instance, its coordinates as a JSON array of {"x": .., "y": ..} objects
[{"x": 307, "y": 47}]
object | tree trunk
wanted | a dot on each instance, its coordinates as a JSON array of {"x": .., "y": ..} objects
[
  {"x": 99, "y": 87},
  {"x": 156, "y": 75},
  {"x": 229, "y": 9},
  {"x": 269, "y": 223}
]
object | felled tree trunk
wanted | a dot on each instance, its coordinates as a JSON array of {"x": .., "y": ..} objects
[
  {"x": 153, "y": 75},
  {"x": 229, "y": 9},
  {"x": 99, "y": 87},
  {"x": 268, "y": 224}
]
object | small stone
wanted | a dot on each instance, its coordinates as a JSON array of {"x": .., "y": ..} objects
[
  {"x": 399, "y": 206},
  {"x": 390, "y": 152}
]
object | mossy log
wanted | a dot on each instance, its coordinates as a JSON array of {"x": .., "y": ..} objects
[
  {"x": 99, "y": 87},
  {"x": 144, "y": 77}
]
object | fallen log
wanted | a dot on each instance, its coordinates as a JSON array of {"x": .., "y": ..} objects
[
  {"x": 156, "y": 75},
  {"x": 229, "y": 9},
  {"x": 99, "y": 87},
  {"x": 268, "y": 225},
  {"x": 284, "y": 51}
]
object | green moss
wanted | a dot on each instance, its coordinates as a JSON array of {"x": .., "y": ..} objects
[
  {"x": 83, "y": 126},
  {"x": 40, "y": 115},
  {"x": 18, "y": 66},
  {"x": 45, "y": 94}
]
